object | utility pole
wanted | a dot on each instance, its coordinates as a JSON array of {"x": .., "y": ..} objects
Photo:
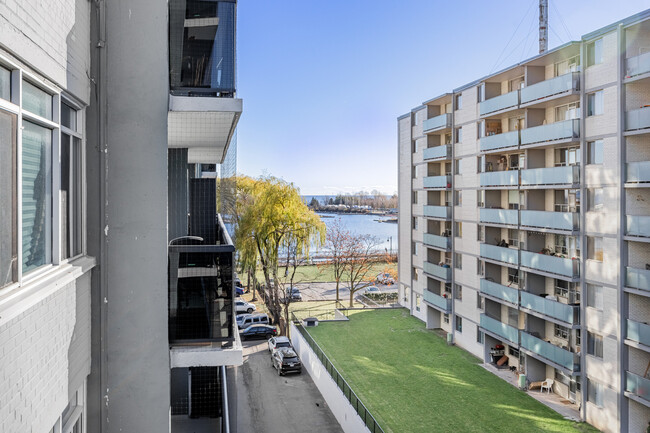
[{"x": 543, "y": 26}]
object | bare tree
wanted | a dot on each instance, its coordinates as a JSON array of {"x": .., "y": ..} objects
[
  {"x": 336, "y": 243},
  {"x": 358, "y": 263}
]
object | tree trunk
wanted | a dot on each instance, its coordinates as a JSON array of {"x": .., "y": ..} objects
[
  {"x": 351, "y": 298},
  {"x": 338, "y": 298}
]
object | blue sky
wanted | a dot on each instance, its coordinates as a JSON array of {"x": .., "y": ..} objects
[{"x": 323, "y": 82}]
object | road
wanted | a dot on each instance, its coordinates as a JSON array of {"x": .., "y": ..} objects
[{"x": 268, "y": 403}]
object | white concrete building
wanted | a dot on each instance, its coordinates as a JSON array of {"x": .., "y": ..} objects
[{"x": 524, "y": 220}]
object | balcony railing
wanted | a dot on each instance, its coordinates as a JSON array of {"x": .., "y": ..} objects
[
  {"x": 437, "y": 181},
  {"x": 437, "y": 241},
  {"x": 637, "y": 119},
  {"x": 499, "y": 328},
  {"x": 638, "y": 226},
  {"x": 500, "y": 254},
  {"x": 501, "y": 102},
  {"x": 437, "y": 152},
  {"x": 554, "y": 86},
  {"x": 566, "y": 129},
  {"x": 551, "y": 176},
  {"x": 500, "y": 291},
  {"x": 637, "y": 385},
  {"x": 437, "y": 300},
  {"x": 499, "y": 141},
  {"x": 637, "y": 65},
  {"x": 500, "y": 178},
  {"x": 637, "y": 278},
  {"x": 439, "y": 122},
  {"x": 499, "y": 216},
  {"x": 639, "y": 332},
  {"x": 563, "y": 357},
  {"x": 437, "y": 271},
  {"x": 550, "y": 220},
  {"x": 638, "y": 172},
  {"x": 551, "y": 264},
  {"x": 557, "y": 310},
  {"x": 437, "y": 211}
]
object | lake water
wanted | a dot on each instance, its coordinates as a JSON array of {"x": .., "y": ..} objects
[{"x": 367, "y": 225}]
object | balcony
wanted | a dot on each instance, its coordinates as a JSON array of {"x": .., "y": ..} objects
[
  {"x": 437, "y": 152},
  {"x": 499, "y": 216},
  {"x": 637, "y": 119},
  {"x": 498, "y": 103},
  {"x": 568, "y": 175},
  {"x": 565, "y": 130},
  {"x": 437, "y": 271},
  {"x": 437, "y": 182},
  {"x": 557, "y": 310},
  {"x": 638, "y": 386},
  {"x": 550, "y": 264},
  {"x": 499, "y": 178},
  {"x": 499, "y": 141},
  {"x": 437, "y": 123},
  {"x": 551, "y": 352},
  {"x": 639, "y": 332},
  {"x": 638, "y": 172},
  {"x": 437, "y": 212},
  {"x": 564, "y": 83},
  {"x": 637, "y": 279},
  {"x": 637, "y": 226},
  {"x": 437, "y": 241},
  {"x": 496, "y": 327},
  {"x": 500, "y": 291},
  {"x": 550, "y": 220},
  {"x": 500, "y": 254},
  {"x": 438, "y": 301},
  {"x": 637, "y": 65}
]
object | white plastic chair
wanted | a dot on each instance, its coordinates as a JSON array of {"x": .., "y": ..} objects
[{"x": 548, "y": 384}]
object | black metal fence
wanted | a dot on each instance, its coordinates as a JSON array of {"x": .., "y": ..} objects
[{"x": 356, "y": 403}]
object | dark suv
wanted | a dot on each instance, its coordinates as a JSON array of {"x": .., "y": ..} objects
[{"x": 285, "y": 360}]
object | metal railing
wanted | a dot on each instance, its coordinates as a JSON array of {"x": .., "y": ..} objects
[
  {"x": 357, "y": 404},
  {"x": 499, "y": 141},
  {"x": 437, "y": 122},
  {"x": 435, "y": 152},
  {"x": 437, "y": 211},
  {"x": 563, "y": 130},
  {"x": 550, "y": 87},
  {"x": 498, "y": 103}
]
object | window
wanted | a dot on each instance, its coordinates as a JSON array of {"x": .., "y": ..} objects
[
  {"x": 480, "y": 233},
  {"x": 459, "y": 101},
  {"x": 595, "y": 248},
  {"x": 595, "y": 345},
  {"x": 513, "y": 352},
  {"x": 562, "y": 378},
  {"x": 595, "y": 199},
  {"x": 595, "y": 297},
  {"x": 447, "y": 168},
  {"x": 5, "y": 84},
  {"x": 459, "y": 134},
  {"x": 458, "y": 198},
  {"x": 567, "y": 290},
  {"x": 567, "y": 111},
  {"x": 459, "y": 324},
  {"x": 480, "y": 198},
  {"x": 414, "y": 172},
  {"x": 417, "y": 302},
  {"x": 513, "y": 317},
  {"x": 457, "y": 166},
  {"x": 8, "y": 197},
  {"x": 447, "y": 198},
  {"x": 480, "y": 336},
  {"x": 415, "y": 273},
  {"x": 516, "y": 83},
  {"x": 480, "y": 301},
  {"x": 567, "y": 200},
  {"x": 448, "y": 138},
  {"x": 567, "y": 156},
  {"x": 445, "y": 318},
  {"x": 595, "y": 392},
  {"x": 414, "y": 248},
  {"x": 71, "y": 198},
  {"x": 595, "y": 52},
  {"x": 515, "y": 198},
  {"x": 415, "y": 197},
  {"x": 566, "y": 66},
  {"x": 595, "y": 152},
  {"x": 513, "y": 276},
  {"x": 458, "y": 258},
  {"x": 415, "y": 223},
  {"x": 513, "y": 237},
  {"x": 595, "y": 103},
  {"x": 458, "y": 226},
  {"x": 458, "y": 292},
  {"x": 37, "y": 101},
  {"x": 480, "y": 268},
  {"x": 561, "y": 332}
]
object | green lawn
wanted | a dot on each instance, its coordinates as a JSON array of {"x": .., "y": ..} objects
[
  {"x": 324, "y": 274},
  {"x": 411, "y": 381}
]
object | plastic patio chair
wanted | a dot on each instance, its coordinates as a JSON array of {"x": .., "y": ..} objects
[{"x": 548, "y": 384}]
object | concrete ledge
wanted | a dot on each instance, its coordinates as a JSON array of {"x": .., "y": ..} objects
[{"x": 206, "y": 356}]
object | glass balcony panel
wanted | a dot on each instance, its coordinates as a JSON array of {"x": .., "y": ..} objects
[
  {"x": 551, "y": 176},
  {"x": 500, "y": 102},
  {"x": 550, "y": 264},
  {"x": 437, "y": 152},
  {"x": 637, "y": 385},
  {"x": 550, "y": 220},
  {"x": 565, "y": 129},
  {"x": 500, "y": 254},
  {"x": 638, "y": 226},
  {"x": 437, "y": 181},
  {"x": 437, "y": 241},
  {"x": 499, "y": 328},
  {"x": 500, "y": 291},
  {"x": 638, "y": 172},
  {"x": 554, "y": 86},
  {"x": 499, "y": 216},
  {"x": 637, "y": 119},
  {"x": 557, "y": 310},
  {"x": 637, "y": 278},
  {"x": 499, "y": 141},
  {"x": 437, "y": 211},
  {"x": 500, "y": 178},
  {"x": 637, "y": 65},
  {"x": 437, "y": 271},
  {"x": 639, "y": 332},
  {"x": 438, "y": 122},
  {"x": 437, "y": 300},
  {"x": 563, "y": 357}
]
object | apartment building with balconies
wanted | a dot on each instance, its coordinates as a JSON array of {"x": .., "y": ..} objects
[{"x": 523, "y": 206}]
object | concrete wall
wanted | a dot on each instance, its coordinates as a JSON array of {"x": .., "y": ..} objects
[{"x": 405, "y": 216}]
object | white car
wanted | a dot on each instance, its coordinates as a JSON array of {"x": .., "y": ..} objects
[
  {"x": 278, "y": 342},
  {"x": 244, "y": 307},
  {"x": 385, "y": 279}
]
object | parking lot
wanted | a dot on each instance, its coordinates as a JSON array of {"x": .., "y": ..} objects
[{"x": 327, "y": 291}]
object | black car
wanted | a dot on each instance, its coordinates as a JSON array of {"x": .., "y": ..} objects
[
  {"x": 259, "y": 331},
  {"x": 285, "y": 360}
]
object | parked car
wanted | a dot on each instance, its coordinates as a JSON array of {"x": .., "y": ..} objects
[
  {"x": 278, "y": 342},
  {"x": 244, "y": 307},
  {"x": 294, "y": 294},
  {"x": 258, "y": 331},
  {"x": 239, "y": 290},
  {"x": 246, "y": 320},
  {"x": 372, "y": 289},
  {"x": 385, "y": 278},
  {"x": 285, "y": 360}
]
